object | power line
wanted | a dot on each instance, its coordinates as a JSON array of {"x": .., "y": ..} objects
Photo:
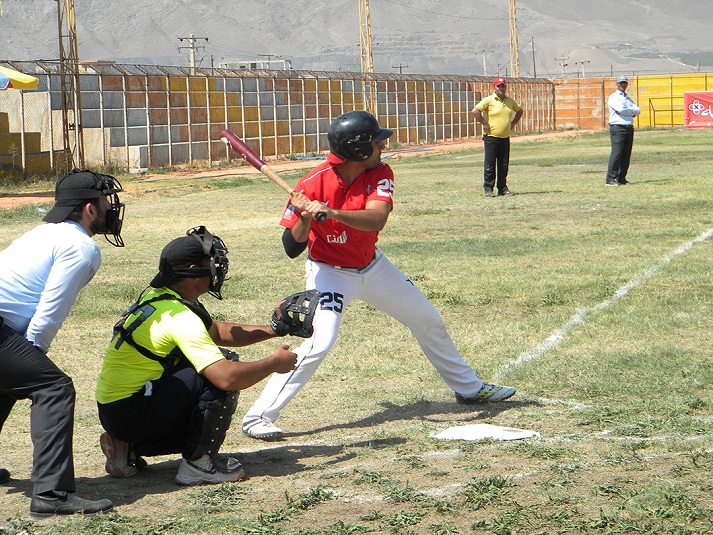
[{"x": 192, "y": 47}]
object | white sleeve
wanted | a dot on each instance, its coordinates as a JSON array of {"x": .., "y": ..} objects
[{"x": 72, "y": 268}]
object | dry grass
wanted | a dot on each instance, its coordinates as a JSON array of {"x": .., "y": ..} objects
[{"x": 622, "y": 401}]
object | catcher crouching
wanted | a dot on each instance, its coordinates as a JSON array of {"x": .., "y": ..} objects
[{"x": 167, "y": 384}]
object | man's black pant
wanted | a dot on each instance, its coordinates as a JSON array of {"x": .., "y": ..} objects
[
  {"x": 497, "y": 156},
  {"x": 622, "y": 141},
  {"x": 167, "y": 418},
  {"x": 27, "y": 373}
]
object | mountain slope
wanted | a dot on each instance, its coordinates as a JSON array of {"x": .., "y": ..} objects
[{"x": 412, "y": 36}]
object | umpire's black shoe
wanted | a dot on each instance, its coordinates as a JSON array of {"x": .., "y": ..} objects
[
  {"x": 4, "y": 476},
  {"x": 623, "y": 182},
  {"x": 59, "y": 502}
]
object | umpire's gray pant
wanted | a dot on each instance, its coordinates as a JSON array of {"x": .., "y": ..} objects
[{"x": 27, "y": 373}]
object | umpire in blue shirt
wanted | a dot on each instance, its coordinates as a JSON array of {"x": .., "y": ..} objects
[
  {"x": 41, "y": 274},
  {"x": 622, "y": 111}
]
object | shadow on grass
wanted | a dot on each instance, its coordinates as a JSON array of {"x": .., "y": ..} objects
[
  {"x": 423, "y": 410},
  {"x": 276, "y": 458}
]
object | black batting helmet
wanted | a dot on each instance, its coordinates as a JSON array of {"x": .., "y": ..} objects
[{"x": 351, "y": 135}]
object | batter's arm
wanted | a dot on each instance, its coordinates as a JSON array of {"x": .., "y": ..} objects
[
  {"x": 371, "y": 219},
  {"x": 293, "y": 248}
]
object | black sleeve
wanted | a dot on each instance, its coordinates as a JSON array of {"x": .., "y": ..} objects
[{"x": 292, "y": 247}]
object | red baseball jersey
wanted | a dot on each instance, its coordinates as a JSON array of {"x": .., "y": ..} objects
[{"x": 333, "y": 242}]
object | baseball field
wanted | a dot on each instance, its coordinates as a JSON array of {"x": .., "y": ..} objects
[{"x": 595, "y": 302}]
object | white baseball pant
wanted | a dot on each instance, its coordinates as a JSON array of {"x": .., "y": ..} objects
[{"x": 384, "y": 287}]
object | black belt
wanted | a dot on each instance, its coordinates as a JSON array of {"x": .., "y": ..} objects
[
  {"x": 355, "y": 268},
  {"x": 623, "y": 125}
]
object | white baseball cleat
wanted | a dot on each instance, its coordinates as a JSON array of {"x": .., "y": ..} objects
[
  {"x": 487, "y": 393},
  {"x": 262, "y": 428}
]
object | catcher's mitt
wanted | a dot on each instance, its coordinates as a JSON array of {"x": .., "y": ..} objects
[{"x": 294, "y": 314}]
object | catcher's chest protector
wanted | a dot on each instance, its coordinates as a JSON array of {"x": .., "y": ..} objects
[{"x": 141, "y": 311}]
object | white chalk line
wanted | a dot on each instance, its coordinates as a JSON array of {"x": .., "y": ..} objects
[{"x": 559, "y": 334}]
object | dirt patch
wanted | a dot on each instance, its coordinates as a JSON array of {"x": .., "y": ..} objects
[{"x": 13, "y": 201}]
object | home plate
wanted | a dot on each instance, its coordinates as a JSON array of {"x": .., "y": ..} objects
[{"x": 483, "y": 431}]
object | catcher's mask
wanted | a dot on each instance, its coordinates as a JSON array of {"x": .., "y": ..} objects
[
  {"x": 81, "y": 186},
  {"x": 181, "y": 259},
  {"x": 351, "y": 135}
]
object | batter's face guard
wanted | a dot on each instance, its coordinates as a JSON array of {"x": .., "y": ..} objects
[
  {"x": 213, "y": 247},
  {"x": 352, "y": 134}
]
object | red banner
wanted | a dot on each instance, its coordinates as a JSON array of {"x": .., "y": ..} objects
[{"x": 698, "y": 109}]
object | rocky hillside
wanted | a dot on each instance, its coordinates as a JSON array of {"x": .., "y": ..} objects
[{"x": 412, "y": 36}]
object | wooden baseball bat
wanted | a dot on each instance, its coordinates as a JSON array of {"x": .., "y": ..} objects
[{"x": 239, "y": 146}]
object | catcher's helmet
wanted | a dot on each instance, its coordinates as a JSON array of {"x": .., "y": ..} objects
[
  {"x": 189, "y": 250},
  {"x": 351, "y": 135}
]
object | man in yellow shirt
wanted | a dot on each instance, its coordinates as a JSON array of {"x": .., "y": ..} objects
[
  {"x": 498, "y": 114},
  {"x": 165, "y": 385}
]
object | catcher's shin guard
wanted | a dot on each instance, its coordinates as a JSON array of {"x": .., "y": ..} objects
[{"x": 217, "y": 416}]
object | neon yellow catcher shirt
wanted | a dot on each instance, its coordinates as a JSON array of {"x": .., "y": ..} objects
[{"x": 125, "y": 371}]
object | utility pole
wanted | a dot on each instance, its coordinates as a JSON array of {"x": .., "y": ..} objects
[
  {"x": 400, "y": 67},
  {"x": 582, "y": 64},
  {"x": 562, "y": 63},
  {"x": 69, "y": 84},
  {"x": 192, "y": 47},
  {"x": 534, "y": 64},
  {"x": 514, "y": 47},
  {"x": 367, "y": 57},
  {"x": 485, "y": 67}
]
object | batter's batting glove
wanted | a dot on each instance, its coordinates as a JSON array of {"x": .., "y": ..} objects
[{"x": 294, "y": 315}]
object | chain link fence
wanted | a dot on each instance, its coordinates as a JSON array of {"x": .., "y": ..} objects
[{"x": 134, "y": 117}]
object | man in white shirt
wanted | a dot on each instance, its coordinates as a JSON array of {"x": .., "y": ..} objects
[
  {"x": 41, "y": 274},
  {"x": 622, "y": 111}
]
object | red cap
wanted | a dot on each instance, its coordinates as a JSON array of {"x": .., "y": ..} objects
[{"x": 499, "y": 81}]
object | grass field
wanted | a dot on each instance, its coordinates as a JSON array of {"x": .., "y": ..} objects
[{"x": 595, "y": 302}]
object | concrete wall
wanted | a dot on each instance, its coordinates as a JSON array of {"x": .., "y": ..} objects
[
  {"x": 139, "y": 117},
  {"x": 581, "y": 103}
]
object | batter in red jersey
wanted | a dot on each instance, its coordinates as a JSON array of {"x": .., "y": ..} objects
[{"x": 354, "y": 189}]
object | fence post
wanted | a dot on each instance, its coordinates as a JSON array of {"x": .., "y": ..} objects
[{"x": 22, "y": 133}]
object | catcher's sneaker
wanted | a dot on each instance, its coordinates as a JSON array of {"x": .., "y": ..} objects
[
  {"x": 262, "y": 428},
  {"x": 118, "y": 457},
  {"x": 487, "y": 393},
  {"x": 202, "y": 471}
]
